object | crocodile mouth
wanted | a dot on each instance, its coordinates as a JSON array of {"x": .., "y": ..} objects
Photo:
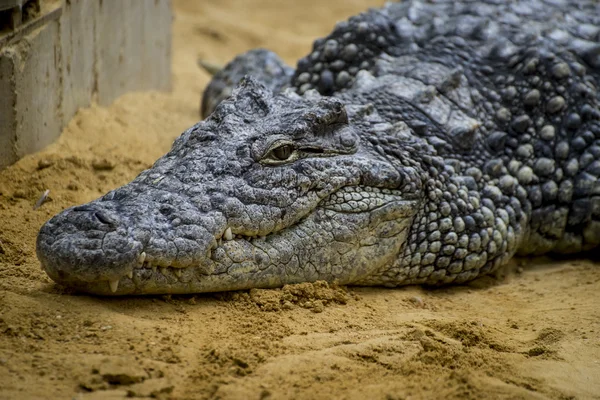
[
  {"x": 233, "y": 253},
  {"x": 349, "y": 200}
]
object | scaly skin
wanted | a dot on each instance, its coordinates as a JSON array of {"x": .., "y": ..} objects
[{"x": 417, "y": 144}]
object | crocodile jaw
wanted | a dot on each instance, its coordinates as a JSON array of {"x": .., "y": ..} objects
[{"x": 332, "y": 243}]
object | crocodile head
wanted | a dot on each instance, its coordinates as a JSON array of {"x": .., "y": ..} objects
[{"x": 268, "y": 190}]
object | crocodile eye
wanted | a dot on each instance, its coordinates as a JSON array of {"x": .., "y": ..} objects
[
  {"x": 283, "y": 153},
  {"x": 280, "y": 153}
]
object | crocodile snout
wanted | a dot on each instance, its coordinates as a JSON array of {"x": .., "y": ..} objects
[{"x": 89, "y": 242}]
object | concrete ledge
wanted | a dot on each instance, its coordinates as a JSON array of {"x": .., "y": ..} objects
[{"x": 73, "y": 53}]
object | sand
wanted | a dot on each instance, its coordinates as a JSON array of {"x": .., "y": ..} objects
[{"x": 531, "y": 331}]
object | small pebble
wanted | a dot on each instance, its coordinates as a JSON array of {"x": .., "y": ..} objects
[
  {"x": 45, "y": 163},
  {"x": 102, "y": 164},
  {"x": 417, "y": 301},
  {"x": 19, "y": 194}
]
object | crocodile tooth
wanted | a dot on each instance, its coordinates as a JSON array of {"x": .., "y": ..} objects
[
  {"x": 163, "y": 270},
  {"x": 154, "y": 268},
  {"x": 130, "y": 274},
  {"x": 228, "y": 235},
  {"x": 114, "y": 285},
  {"x": 177, "y": 272},
  {"x": 141, "y": 258},
  {"x": 220, "y": 242}
]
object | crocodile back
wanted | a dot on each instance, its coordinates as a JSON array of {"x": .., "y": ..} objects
[{"x": 527, "y": 71}]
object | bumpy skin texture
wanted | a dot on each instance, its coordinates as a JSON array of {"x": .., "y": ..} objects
[
  {"x": 417, "y": 144},
  {"x": 262, "y": 64}
]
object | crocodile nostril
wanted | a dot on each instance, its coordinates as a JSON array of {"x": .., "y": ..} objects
[
  {"x": 102, "y": 218},
  {"x": 166, "y": 210}
]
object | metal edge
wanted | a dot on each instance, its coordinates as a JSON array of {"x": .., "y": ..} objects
[{"x": 30, "y": 26}]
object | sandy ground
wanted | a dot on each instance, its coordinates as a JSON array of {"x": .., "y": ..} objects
[{"x": 531, "y": 332}]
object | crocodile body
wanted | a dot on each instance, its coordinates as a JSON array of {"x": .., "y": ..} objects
[{"x": 416, "y": 144}]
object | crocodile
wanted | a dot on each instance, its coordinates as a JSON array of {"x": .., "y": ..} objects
[{"x": 419, "y": 143}]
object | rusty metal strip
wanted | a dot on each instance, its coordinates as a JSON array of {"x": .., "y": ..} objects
[
  {"x": 30, "y": 26},
  {"x": 8, "y": 4}
]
